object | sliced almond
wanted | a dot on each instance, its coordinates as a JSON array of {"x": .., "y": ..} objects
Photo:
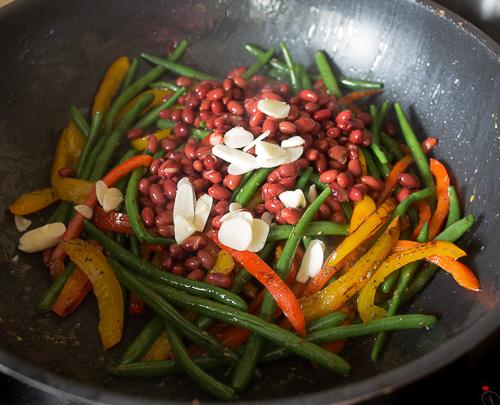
[
  {"x": 231, "y": 155},
  {"x": 273, "y": 108},
  {"x": 112, "y": 199},
  {"x": 261, "y": 137},
  {"x": 260, "y": 230},
  {"x": 267, "y": 150},
  {"x": 183, "y": 228},
  {"x": 185, "y": 201},
  {"x": 247, "y": 216},
  {"x": 293, "y": 198},
  {"x": 202, "y": 211},
  {"x": 237, "y": 137},
  {"x": 291, "y": 155},
  {"x": 42, "y": 238},
  {"x": 312, "y": 261},
  {"x": 22, "y": 223},
  {"x": 85, "y": 210},
  {"x": 236, "y": 233},
  {"x": 100, "y": 189},
  {"x": 182, "y": 181},
  {"x": 235, "y": 207},
  {"x": 312, "y": 194},
  {"x": 236, "y": 170},
  {"x": 293, "y": 141}
]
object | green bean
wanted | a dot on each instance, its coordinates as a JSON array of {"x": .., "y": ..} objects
[
  {"x": 123, "y": 182},
  {"x": 370, "y": 163},
  {"x": 406, "y": 275},
  {"x": 326, "y": 321},
  {"x": 177, "y": 68},
  {"x": 243, "y": 181},
  {"x": 390, "y": 146},
  {"x": 412, "y": 198},
  {"x": 359, "y": 84},
  {"x": 79, "y": 121},
  {"x": 415, "y": 148},
  {"x": 62, "y": 213},
  {"x": 273, "y": 352},
  {"x": 305, "y": 81},
  {"x": 151, "y": 117},
  {"x": 327, "y": 74},
  {"x": 250, "y": 187},
  {"x": 259, "y": 64},
  {"x": 91, "y": 158},
  {"x": 155, "y": 273},
  {"x": 303, "y": 178},
  {"x": 237, "y": 317},
  {"x": 131, "y": 75},
  {"x": 134, "y": 216},
  {"x": 317, "y": 228},
  {"x": 454, "y": 210},
  {"x": 94, "y": 132},
  {"x": 112, "y": 140},
  {"x": 244, "y": 370},
  {"x": 45, "y": 303},
  {"x": 143, "y": 341},
  {"x": 257, "y": 52},
  {"x": 164, "y": 85},
  {"x": 194, "y": 132},
  {"x": 205, "y": 380},
  {"x": 291, "y": 68},
  {"x": 347, "y": 211}
]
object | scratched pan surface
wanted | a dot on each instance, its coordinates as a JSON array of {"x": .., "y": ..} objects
[{"x": 443, "y": 71}]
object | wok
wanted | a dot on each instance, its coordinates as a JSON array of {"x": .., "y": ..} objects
[{"x": 443, "y": 71}]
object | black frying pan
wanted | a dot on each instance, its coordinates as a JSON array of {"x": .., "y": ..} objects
[{"x": 443, "y": 71}]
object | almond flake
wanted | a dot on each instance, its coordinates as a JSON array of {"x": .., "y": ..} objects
[
  {"x": 100, "y": 189},
  {"x": 185, "y": 201},
  {"x": 85, "y": 210},
  {"x": 312, "y": 261},
  {"x": 235, "y": 156},
  {"x": 312, "y": 194},
  {"x": 261, "y": 137},
  {"x": 112, "y": 199},
  {"x": 293, "y": 141},
  {"x": 273, "y": 108},
  {"x": 260, "y": 230},
  {"x": 237, "y": 137},
  {"x": 293, "y": 198},
  {"x": 183, "y": 228},
  {"x": 42, "y": 238},
  {"x": 21, "y": 222},
  {"x": 202, "y": 211},
  {"x": 236, "y": 233}
]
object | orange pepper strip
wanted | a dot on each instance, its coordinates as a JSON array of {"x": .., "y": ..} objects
[
  {"x": 75, "y": 226},
  {"x": 443, "y": 204},
  {"x": 368, "y": 311},
  {"x": 110, "y": 84},
  {"x": 273, "y": 283},
  {"x": 341, "y": 290},
  {"x": 426, "y": 145},
  {"x": 34, "y": 201},
  {"x": 356, "y": 95},
  {"x": 105, "y": 285},
  {"x": 460, "y": 272},
  {"x": 424, "y": 211}
]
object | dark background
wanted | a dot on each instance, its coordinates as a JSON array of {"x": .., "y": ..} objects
[{"x": 473, "y": 379}]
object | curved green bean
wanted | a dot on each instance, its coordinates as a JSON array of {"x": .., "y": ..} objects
[
  {"x": 327, "y": 74},
  {"x": 253, "y": 183},
  {"x": 259, "y": 64},
  {"x": 79, "y": 121},
  {"x": 143, "y": 341},
  {"x": 316, "y": 228},
  {"x": 45, "y": 303}
]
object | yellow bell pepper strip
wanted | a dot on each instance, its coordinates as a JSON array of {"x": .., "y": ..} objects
[
  {"x": 332, "y": 297},
  {"x": 34, "y": 201},
  {"x": 368, "y": 311},
  {"x": 460, "y": 272},
  {"x": 380, "y": 216},
  {"x": 67, "y": 153},
  {"x": 105, "y": 285},
  {"x": 159, "y": 350},
  {"x": 159, "y": 96},
  {"x": 113, "y": 78},
  {"x": 224, "y": 263},
  {"x": 362, "y": 159},
  {"x": 142, "y": 142},
  {"x": 443, "y": 201},
  {"x": 361, "y": 211}
]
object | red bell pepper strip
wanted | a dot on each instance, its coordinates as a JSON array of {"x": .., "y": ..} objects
[
  {"x": 273, "y": 283},
  {"x": 356, "y": 95},
  {"x": 75, "y": 226},
  {"x": 111, "y": 221},
  {"x": 443, "y": 201},
  {"x": 424, "y": 211}
]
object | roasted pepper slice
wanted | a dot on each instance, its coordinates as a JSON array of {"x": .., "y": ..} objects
[
  {"x": 34, "y": 201},
  {"x": 110, "y": 84}
]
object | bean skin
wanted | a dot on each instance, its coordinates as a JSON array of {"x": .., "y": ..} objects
[
  {"x": 156, "y": 194},
  {"x": 409, "y": 180},
  {"x": 206, "y": 259},
  {"x": 219, "y": 279},
  {"x": 373, "y": 183}
]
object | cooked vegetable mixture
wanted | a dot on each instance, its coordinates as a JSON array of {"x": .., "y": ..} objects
[{"x": 262, "y": 206}]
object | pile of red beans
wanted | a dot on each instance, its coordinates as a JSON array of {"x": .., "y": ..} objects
[{"x": 331, "y": 145}]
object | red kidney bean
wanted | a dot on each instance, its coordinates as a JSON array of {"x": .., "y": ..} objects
[
  {"x": 389, "y": 128},
  {"x": 333, "y": 132},
  {"x": 288, "y": 182},
  {"x": 289, "y": 170},
  {"x": 403, "y": 193},
  {"x": 219, "y": 192},
  {"x": 156, "y": 194},
  {"x": 201, "y": 185},
  {"x": 345, "y": 115},
  {"x": 215, "y": 94},
  {"x": 324, "y": 211},
  {"x": 345, "y": 179},
  {"x": 190, "y": 148},
  {"x": 333, "y": 203},
  {"x": 228, "y": 84},
  {"x": 176, "y": 115},
  {"x": 272, "y": 190},
  {"x": 338, "y": 153},
  {"x": 303, "y": 163},
  {"x": 409, "y": 180},
  {"x": 367, "y": 138},
  {"x": 346, "y": 126},
  {"x": 206, "y": 259},
  {"x": 178, "y": 269},
  {"x": 168, "y": 144},
  {"x": 235, "y": 107},
  {"x": 293, "y": 114},
  {"x": 184, "y": 81},
  {"x": 304, "y": 125},
  {"x": 155, "y": 165},
  {"x": 352, "y": 150},
  {"x": 216, "y": 221},
  {"x": 192, "y": 101},
  {"x": 321, "y": 164},
  {"x": 322, "y": 115},
  {"x": 358, "y": 124},
  {"x": 196, "y": 274},
  {"x": 213, "y": 176},
  {"x": 312, "y": 154},
  {"x": 259, "y": 210},
  {"x": 192, "y": 263},
  {"x": 329, "y": 176},
  {"x": 166, "y": 260},
  {"x": 356, "y": 136},
  {"x": 287, "y": 127},
  {"x": 311, "y": 108},
  {"x": 308, "y": 95},
  {"x": 339, "y": 193},
  {"x": 198, "y": 165},
  {"x": 166, "y": 230},
  {"x": 232, "y": 181},
  {"x": 278, "y": 217},
  {"x": 256, "y": 119},
  {"x": 270, "y": 125},
  {"x": 67, "y": 172},
  {"x": 355, "y": 167},
  {"x": 170, "y": 189},
  {"x": 372, "y": 183},
  {"x": 273, "y": 205},
  {"x": 164, "y": 218},
  {"x": 241, "y": 82},
  {"x": 327, "y": 124},
  {"x": 291, "y": 215},
  {"x": 355, "y": 194},
  {"x": 145, "y": 202},
  {"x": 169, "y": 169},
  {"x": 188, "y": 116},
  {"x": 210, "y": 162},
  {"x": 134, "y": 133},
  {"x": 194, "y": 243},
  {"x": 148, "y": 216},
  {"x": 219, "y": 280},
  {"x": 365, "y": 117},
  {"x": 165, "y": 114},
  {"x": 152, "y": 144},
  {"x": 217, "y": 108},
  {"x": 222, "y": 207},
  {"x": 274, "y": 177},
  {"x": 181, "y": 129},
  {"x": 203, "y": 151}
]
